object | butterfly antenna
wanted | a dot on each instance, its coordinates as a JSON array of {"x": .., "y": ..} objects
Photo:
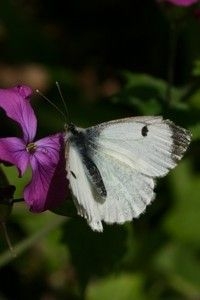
[
  {"x": 63, "y": 101},
  {"x": 53, "y": 104}
]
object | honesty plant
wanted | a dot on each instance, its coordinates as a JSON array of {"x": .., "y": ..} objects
[
  {"x": 48, "y": 186},
  {"x": 182, "y": 2}
]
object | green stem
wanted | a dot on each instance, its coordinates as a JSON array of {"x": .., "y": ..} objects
[
  {"x": 21, "y": 247},
  {"x": 4, "y": 227},
  {"x": 171, "y": 61},
  {"x": 17, "y": 200},
  {"x": 11, "y": 201}
]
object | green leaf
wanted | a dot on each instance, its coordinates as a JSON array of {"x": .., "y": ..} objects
[
  {"x": 182, "y": 222},
  {"x": 12, "y": 175},
  {"x": 194, "y": 99},
  {"x": 180, "y": 266},
  {"x": 147, "y": 94},
  {"x": 6, "y": 194},
  {"x": 150, "y": 87},
  {"x": 196, "y": 69},
  {"x": 93, "y": 253},
  {"x": 121, "y": 287},
  {"x": 195, "y": 129}
]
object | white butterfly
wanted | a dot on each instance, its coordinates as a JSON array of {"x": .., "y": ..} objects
[{"x": 112, "y": 166}]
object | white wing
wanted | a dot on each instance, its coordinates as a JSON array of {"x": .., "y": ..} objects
[
  {"x": 82, "y": 190},
  {"x": 153, "y": 154},
  {"x": 129, "y": 154}
]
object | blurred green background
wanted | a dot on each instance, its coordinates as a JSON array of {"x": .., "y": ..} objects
[{"x": 113, "y": 59}]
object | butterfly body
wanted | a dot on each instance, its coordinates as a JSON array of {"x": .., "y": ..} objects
[{"x": 112, "y": 167}]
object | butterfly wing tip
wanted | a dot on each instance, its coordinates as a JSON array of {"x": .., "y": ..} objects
[{"x": 96, "y": 226}]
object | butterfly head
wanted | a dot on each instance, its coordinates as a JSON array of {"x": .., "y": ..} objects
[{"x": 71, "y": 128}]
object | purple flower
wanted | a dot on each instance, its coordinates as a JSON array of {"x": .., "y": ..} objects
[
  {"x": 48, "y": 186},
  {"x": 182, "y": 2}
]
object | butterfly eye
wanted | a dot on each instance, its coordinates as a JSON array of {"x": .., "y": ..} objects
[{"x": 72, "y": 128}]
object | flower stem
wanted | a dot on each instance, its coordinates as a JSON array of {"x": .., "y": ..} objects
[
  {"x": 5, "y": 231},
  {"x": 21, "y": 247},
  {"x": 11, "y": 201},
  {"x": 17, "y": 200},
  {"x": 171, "y": 61}
]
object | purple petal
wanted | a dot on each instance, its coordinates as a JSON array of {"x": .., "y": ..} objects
[
  {"x": 15, "y": 102},
  {"x": 48, "y": 187},
  {"x": 13, "y": 150},
  {"x": 182, "y": 2}
]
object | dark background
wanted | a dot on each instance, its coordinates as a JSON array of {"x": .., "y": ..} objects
[{"x": 113, "y": 59}]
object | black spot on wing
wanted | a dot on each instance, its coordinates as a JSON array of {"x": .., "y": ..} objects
[
  {"x": 73, "y": 174},
  {"x": 181, "y": 140},
  {"x": 144, "y": 130}
]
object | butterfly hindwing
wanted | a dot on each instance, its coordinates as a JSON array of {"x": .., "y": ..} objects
[{"x": 81, "y": 187}]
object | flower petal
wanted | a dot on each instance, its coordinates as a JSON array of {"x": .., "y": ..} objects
[
  {"x": 182, "y": 2},
  {"x": 48, "y": 187},
  {"x": 13, "y": 150},
  {"x": 15, "y": 102}
]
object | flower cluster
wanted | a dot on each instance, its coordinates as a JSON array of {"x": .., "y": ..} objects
[
  {"x": 181, "y": 2},
  {"x": 48, "y": 186}
]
